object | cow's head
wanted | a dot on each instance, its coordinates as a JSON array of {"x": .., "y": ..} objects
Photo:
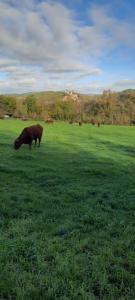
[{"x": 17, "y": 144}]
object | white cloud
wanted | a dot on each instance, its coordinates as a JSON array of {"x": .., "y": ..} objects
[
  {"x": 117, "y": 31},
  {"x": 45, "y": 43},
  {"x": 125, "y": 82}
]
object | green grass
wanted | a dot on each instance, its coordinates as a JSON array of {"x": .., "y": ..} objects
[{"x": 67, "y": 214}]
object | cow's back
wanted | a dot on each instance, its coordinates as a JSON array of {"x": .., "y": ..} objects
[
  {"x": 35, "y": 131},
  {"x": 31, "y": 132}
]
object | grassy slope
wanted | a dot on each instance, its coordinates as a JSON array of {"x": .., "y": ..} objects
[
  {"x": 68, "y": 214},
  {"x": 43, "y": 96}
]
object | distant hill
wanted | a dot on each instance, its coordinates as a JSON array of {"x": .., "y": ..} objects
[
  {"x": 128, "y": 91},
  {"x": 52, "y": 96},
  {"x": 48, "y": 96},
  {"x": 126, "y": 94}
]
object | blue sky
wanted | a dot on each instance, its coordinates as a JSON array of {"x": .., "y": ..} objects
[{"x": 87, "y": 46}]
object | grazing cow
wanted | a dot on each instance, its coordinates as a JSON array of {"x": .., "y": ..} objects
[
  {"x": 24, "y": 118},
  {"x": 49, "y": 121},
  {"x": 92, "y": 121},
  {"x": 80, "y": 123},
  {"x": 28, "y": 135}
]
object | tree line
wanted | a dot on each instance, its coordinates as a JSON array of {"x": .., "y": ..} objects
[{"x": 107, "y": 108}]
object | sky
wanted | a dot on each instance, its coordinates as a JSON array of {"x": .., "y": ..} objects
[{"x": 82, "y": 45}]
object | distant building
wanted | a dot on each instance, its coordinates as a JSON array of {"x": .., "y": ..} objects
[{"x": 70, "y": 95}]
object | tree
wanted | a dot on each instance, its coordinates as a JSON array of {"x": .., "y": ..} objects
[
  {"x": 62, "y": 110},
  {"x": 109, "y": 106},
  {"x": 7, "y": 104},
  {"x": 30, "y": 103}
]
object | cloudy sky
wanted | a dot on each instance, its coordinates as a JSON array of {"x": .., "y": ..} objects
[{"x": 84, "y": 45}]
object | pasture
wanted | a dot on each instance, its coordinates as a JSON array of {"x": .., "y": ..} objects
[{"x": 67, "y": 213}]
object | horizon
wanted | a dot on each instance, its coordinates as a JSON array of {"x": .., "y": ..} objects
[
  {"x": 62, "y": 91},
  {"x": 58, "y": 45}
]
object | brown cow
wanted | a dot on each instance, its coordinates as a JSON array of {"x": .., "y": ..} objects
[
  {"x": 49, "y": 121},
  {"x": 92, "y": 122},
  {"x": 29, "y": 134},
  {"x": 80, "y": 123},
  {"x": 24, "y": 118}
]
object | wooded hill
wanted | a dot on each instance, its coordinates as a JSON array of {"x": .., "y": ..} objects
[{"x": 107, "y": 108}]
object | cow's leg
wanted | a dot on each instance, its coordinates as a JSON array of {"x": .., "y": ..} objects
[
  {"x": 39, "y": 140},
  {"x": 35, "y": 142},
  {"x": 30, "y": 145}
]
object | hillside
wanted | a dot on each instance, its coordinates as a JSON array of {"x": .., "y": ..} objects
[
  {"x": 52, "y": 96},
  {"x": 106, "y": 108},
  {"x": 126, "y": 94},
  {"x": 46, "y": 96}
]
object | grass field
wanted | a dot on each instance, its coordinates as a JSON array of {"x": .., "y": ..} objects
[{"x": 67, "y": 214}]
